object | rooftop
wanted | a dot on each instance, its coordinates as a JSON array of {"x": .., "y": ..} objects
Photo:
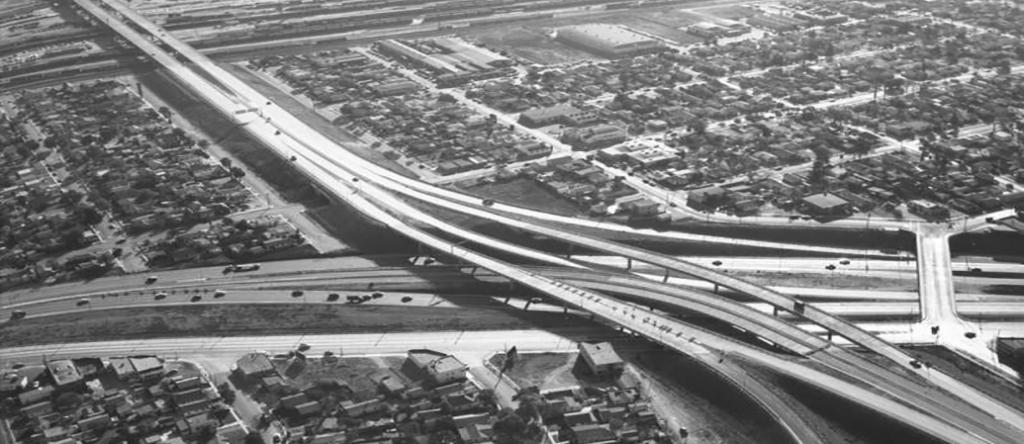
[
  {"x": 825, "y": 201},
  {"x": 600, "y": 353},
  {"x": 63, "y": 371},
  {"x": 254, "y": 364}
]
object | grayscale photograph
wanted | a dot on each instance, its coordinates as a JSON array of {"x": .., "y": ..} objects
[{"x": 511, "y": 222}]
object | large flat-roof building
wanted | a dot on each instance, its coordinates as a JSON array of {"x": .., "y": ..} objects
[
  {"x": 608, "y": 40},
  {"x": 600, "y": 358}
]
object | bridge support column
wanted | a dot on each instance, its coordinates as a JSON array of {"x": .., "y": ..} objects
[
  {"x": 775, "y": 311},
  {"x": 716, "y": 288},
  {"x": 629, "y": 263},
  {"x": 568, "y": 254},
  {"x": 665, "y": 279},
  {"x": 829, "y": 335},
  {"x": 472, "y": 271}
]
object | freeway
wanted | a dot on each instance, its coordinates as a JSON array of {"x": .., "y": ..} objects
[
  {"x": 396, "y": 282},
  {"x": 648, "y": 291},
  {"x": 379, "y": 206}
]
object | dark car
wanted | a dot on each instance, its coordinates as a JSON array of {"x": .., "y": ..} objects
[
  {"x": 716, "y": 263},
  {"x": 17, "y": 314},
  {"x": 333, "y": 297},
  {"x": 196, "y": 298},
  {"x": 160, "y": 296},
  {"x": 151, "y": 280},
  {"x": 406, "y": 299},
  {"x": 297, "y": 293},
  {"x": 82, "y": 302},
  {"x": 303, "y": 347},
  {"x": 377, "y": 295}
]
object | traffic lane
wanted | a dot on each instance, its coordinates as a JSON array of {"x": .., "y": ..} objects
[{"x": 213, "y": 275}]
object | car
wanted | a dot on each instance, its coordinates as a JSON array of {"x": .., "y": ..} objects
[
  {"x": 406, "y": 299},
  {"x": 235, "y": 268},
  {"x": 151, "y": 280},
  {"x": 17, "y": 314},
  {"x": 536, "y": 300},
  {"x": 844, "y": 262},
  {"x": 488, "y": 202},
  {"x": 333, "y": 297},
  {"x": 121, "y": 241},
  {"x": 160, "y": 296},
  {"x": 352, "y": 299},
  {"x": 970, "y": 335},
  {"x": 297, "y": 293},
  {"x": 975, "y": 270},
  {"x": 303, "y": 347},
  {"x": 218, "y": 293},
  {"x": 717, "y": 263},
  {"x": 915, "y": 363},
  {"x": 377, "y": 295},
  {"x": 365, "y": 298},
  {"x": 82, "y": 302},
  {"x": 196, "y": 298}
]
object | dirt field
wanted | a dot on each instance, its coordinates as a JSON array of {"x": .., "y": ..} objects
[
  {"x": 526, "y": 193},
  {"x": 669, "y": 23},
  {"x": 354, "y": 371},
  {"x": 847, "y": 279},
  {"x": 530, "y": 43},
  {"x": 545, "y": 370},
  {"x": 732, "y": 12}
]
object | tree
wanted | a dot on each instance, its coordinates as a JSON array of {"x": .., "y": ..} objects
[
  {"x": 509, "y": 427},
  {"x": 699, "y": 126},
  {"x": 237, "y": 172},
  {"x": 67, "y": 401},
  {"x": 72, "y": 238},
  {"x": 226, "y": 393},
  {"x": 206, "y": 433},
  {"x": 70, "y": 197},
  {"x": 226, "y": 162},
  {"x": 165, "y": 111},
  {"x": 87, "y": 214},
  {"x": 253, "y": 437},
  {"x": 203, "y": 143}
]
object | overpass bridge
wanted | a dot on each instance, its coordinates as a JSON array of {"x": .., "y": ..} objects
[{"x": 357, "y": 183}]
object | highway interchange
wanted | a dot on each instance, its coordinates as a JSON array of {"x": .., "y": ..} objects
[{"x": 956, "y": 413}]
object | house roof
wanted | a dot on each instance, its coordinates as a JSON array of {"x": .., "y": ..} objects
[
  {"x": 600, "y": 353},
  {"x": 254, "y": 364}
]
